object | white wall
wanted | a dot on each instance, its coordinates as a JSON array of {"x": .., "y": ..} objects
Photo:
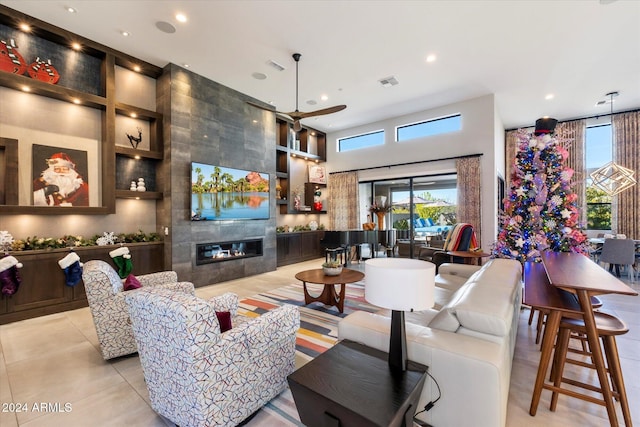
[{"x": 482, "y": 133}]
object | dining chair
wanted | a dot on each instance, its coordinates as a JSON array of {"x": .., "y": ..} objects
[{"x": 617, "y": 252}]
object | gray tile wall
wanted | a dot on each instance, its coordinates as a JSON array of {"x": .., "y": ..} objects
[{"x": 207, "y": 122}]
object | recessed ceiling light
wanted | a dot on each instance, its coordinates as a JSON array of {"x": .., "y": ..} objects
[
  {"x": 125, "y": 33},
  {"x": 76, "y": 46},
  {"x": 549, "y": 96},
  {"x": 324, "y": 97},
  {"x": 181, "y": 17},
  {"x": 25, "y": 27},
  {"x": 71, "y": 10},
  {"x": 137, "y": 68},
  {"x": 165, "y": 27},
  {"x": 431, "y": 58},
  {"x": 255, "y": 121},
  {"x": 76, "y": 101},
  {"x": 137, "y": 157},
  {"x": 26, "y": 89},
  {"x": 186, "y": 65},
  {"x": 134, "y": 115},
  {"x": 259, "y": 76}
]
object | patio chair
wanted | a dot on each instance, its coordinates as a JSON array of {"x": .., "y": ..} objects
[{"x": 461, "y": 237}]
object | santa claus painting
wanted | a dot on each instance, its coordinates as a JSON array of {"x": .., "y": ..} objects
[{"x": 61, "y": 183}]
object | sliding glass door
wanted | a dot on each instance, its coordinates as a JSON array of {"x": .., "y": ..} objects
[{"x": 412, "y": 211}]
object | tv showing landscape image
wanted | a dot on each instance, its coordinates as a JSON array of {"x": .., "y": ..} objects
[{"x": 219, "y": 193}]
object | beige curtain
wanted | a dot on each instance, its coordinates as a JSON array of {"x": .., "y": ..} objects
[
  {"x": 343, "y": 201},
  {"x": 469, "y": 201},
  {"x": 511, "y": 149},
  {"x": 626, "y": 152},
  {"x": 573, "y": 133}
]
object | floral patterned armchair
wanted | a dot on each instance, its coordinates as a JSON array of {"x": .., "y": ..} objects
[
  {"x": 198, "y": 376},
  {"x": 105, "y": 293}
]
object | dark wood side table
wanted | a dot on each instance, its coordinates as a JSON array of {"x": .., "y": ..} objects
[
  {"x": 329, "y": 296},
  {"x": 351, "y": 385},
  {"x": 470, "y": 257}
]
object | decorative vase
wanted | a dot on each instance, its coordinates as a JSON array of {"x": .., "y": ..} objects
[
  {"x": 380, "y": 216},
  {"x": 332, "y": 271}
]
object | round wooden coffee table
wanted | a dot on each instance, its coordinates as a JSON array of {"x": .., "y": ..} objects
[{"x": 329, "y": 296}]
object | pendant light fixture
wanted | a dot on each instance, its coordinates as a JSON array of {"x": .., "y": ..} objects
[{"x": 613, "y": 178}]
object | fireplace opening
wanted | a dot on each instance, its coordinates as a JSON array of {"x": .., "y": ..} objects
[{"x": 225, "y": 251}]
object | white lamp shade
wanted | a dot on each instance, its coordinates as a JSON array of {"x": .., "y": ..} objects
[{"x": 401, "y": 284}]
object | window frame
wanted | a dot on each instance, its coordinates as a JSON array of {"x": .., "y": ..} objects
[
  {"x": 590, "y": 206},
  {"x": 339, "y": 140},
  {"x": 426, "y": 122}
]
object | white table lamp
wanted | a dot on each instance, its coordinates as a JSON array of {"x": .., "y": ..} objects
[{"x": 399, "y": 284}]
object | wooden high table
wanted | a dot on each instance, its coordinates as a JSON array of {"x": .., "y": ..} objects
[
  {"x": 555, "y": 285},
  {"x": 329, "y": 296}
]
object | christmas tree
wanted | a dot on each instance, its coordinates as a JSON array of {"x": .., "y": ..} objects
[{"x": 540, "y": 213}]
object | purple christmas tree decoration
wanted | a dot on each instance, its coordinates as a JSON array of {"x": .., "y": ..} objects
[{"x": 540, "y": 213}]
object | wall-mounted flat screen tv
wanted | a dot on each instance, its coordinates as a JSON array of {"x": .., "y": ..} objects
[{"x": 220, "y": 193}]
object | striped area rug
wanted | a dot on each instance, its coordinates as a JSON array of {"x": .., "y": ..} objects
[{"x": 318, "y": 332}]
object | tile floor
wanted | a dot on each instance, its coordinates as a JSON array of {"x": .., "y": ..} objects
[{"x": 54, "y": 360}]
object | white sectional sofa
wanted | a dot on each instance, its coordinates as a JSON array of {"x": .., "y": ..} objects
[{"x": 467, "y": 341}]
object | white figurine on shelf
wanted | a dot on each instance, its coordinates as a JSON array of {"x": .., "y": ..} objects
[
  {"x": 133, "y": 186},
  {"x": 141, "y": 186}
]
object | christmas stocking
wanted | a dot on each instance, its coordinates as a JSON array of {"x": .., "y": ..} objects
[
  {"x": 122, "y": 259},
  {"x": 9, "y": 277},
  {"x": 72, "y": 268}
]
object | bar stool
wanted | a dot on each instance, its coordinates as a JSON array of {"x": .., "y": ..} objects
[
  {"x": 542, "y": 314},
  {"x": 608, "y": 327},
  {"x": 336, "y": 254}
]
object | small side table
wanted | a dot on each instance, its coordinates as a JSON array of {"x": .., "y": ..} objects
[
  {"x": 470, "y": 257},
  {"x": 352, "y": 385}
]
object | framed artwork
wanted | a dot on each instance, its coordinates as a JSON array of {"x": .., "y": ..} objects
[
  {"x": 317, "y": 174},
  {"x": 59, "y": 176}
]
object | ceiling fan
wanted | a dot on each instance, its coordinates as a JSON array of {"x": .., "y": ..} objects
[{"x": 297, "y": 115}]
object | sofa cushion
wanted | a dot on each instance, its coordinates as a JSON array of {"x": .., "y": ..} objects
[
  {"x": 484, "y": 309},
  {"x": 429, "y": 222},
  {"x": 131, "y": 283},
  {"x": 224, "y": 319},
  {"x": 442, "y": 296},
  {"x": 499, "y": 272},
  {"x": 452, "y": 282},
  {"x": 445, "y": 320}
]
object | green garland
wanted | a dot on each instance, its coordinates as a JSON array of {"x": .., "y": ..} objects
[{"x": 36, "y": 243}]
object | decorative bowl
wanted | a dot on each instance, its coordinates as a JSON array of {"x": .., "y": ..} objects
[{"x": 332, "y": 271}]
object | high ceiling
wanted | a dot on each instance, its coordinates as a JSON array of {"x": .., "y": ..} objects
[{"x": 521, "y": 51}]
